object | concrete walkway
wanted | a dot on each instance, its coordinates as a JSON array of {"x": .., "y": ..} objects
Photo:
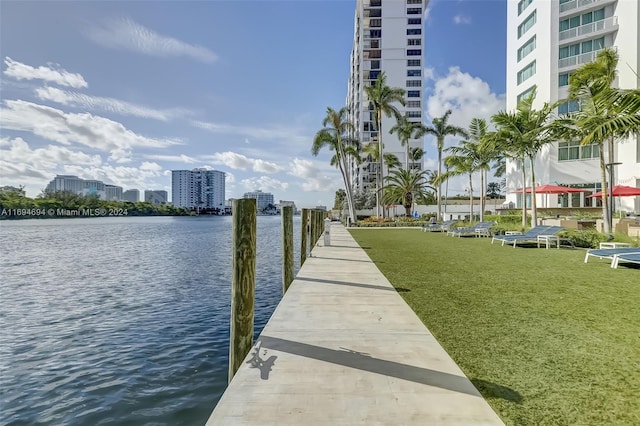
[{"x": 343, "y": 348}]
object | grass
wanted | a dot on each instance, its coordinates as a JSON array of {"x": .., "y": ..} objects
[{"x": 547, "y": 339}]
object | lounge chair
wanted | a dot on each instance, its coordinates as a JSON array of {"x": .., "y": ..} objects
[
  {"x": 532, "y": 235},
  {"x": 626, "y": 257},
  {"x": 480, "y": 228},
  {"x": 438, "y": 227},
  {"x": 609, "y": 253}
]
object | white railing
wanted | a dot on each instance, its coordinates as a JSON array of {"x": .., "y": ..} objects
[
  {"x": 603, "y": 24},
  {"x": 578, "y": 59},
  {"x": 574, "y": 4}
]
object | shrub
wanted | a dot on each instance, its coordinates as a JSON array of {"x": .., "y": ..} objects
[{"x": 586, "y": 238}]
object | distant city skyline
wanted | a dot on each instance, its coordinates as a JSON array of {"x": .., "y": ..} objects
[{"x": 126, "y": 92}]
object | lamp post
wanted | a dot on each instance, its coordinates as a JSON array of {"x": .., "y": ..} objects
[{"x": 610, "y": 167}]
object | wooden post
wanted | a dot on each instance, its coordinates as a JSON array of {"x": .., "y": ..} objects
[
  {"x": 303, "y": 236},
  {"x": 287, "y": 247},
  {"x": 243, "y": 281}
]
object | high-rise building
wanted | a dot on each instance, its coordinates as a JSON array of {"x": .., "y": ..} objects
[
  {"x": 84, "y": 187},
  {"x": 388, "y": 36},
  {"x": 131, "y": 195},
  {"x": 546, "y": 42},
  {"x": 198, "y": 189},
  {"x": 263, "y": 199},
  {"x": 155, "y": 196}
]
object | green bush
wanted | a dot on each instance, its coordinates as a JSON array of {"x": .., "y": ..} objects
[{"x": 587, "y": 238}]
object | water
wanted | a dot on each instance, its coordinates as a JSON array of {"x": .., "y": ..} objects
[{"x": 122, "y": 320}]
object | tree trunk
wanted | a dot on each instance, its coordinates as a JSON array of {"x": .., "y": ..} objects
[
  {"x": 439, "y": 189},
  {"x": 343, "y": 166},
  {"x": 534, "y": 204},
  {"x": 605, "y": 191},
  {"x": 470, "y": 197},
  {"x": 482, "y": 185},
  {"x": 381, "y": 160},
  {"x": 524, "y": 195}
]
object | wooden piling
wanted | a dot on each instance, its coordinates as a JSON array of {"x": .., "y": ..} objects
[
  {"x": 243, "y": 281},
  {"x": 287, "y": 247},
  {"x": 303, "y": 235}
]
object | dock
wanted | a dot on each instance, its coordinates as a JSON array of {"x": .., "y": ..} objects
[{"x": 344, "y": 348}]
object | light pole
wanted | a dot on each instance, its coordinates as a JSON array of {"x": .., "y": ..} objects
[{"x": 610, "y": 167}]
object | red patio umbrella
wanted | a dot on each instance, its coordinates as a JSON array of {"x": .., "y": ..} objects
[{"x": 620, "y": 191}]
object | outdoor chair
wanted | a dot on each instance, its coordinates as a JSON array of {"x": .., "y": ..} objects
[
  {"x": 438, "y": 227},
  {"x": 626, "y": 257},
  {"x": 532, "y": 235},
  {"x": 610, "y": 253},
  {"x": 475, "y": 230}
]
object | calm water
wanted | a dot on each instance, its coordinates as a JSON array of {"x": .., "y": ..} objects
[{"x": 122, "y": 320}]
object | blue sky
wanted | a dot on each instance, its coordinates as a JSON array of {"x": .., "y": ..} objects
[{"x": 125, "y": 92}]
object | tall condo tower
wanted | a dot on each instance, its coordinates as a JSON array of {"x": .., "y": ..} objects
[
  {"x": 198, "y": 189},
  {"x": 388, "y": 36},
  {"x": 546, "y": 42}
]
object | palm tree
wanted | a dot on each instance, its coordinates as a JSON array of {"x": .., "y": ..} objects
[
  {"x": 372, "y": 153},
  {"x": 416, "y": 154},
  {"x": 478, "y": 135},
  {"x": 408, "y": 130},
  {"x": 441, "y": 129},
  {"x": 381, "y": 98},
  {"x": 333, "y": 135},
  {"x": 605, "y": 113},
  {"x": 464, "y": 160},
  {"x": 405, "y": 186},
  {"x": 391, "y": 161},
  {"x": 523, "y": 133}
]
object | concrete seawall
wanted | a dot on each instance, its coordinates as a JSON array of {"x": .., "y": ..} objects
[{"x": 343, "y": 348}]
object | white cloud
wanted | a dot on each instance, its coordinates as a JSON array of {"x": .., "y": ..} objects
[
  {"x": 283, "y": 133},
  {"x": 174, "y": 158},
  {"x": 67, "y": 128},
  {"x": 313, "y": 177},
  {"x": 57, "y": 75},
  {"x": 242, "y": 162},
  {"x": 461, "y": 19},
  {"x": 80, "y": 100},
  {"x": 468, "y": 97},
  {"x": 229, "y": 177},
  {"x": 264, "y": 183},
  {"x": 126, "y": 34}
]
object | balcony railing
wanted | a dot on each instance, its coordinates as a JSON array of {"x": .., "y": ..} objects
[
  {"x": 603, "y": 24},
  {"x": 574, "y": 4},
  {"x": 578, "y": 59}
]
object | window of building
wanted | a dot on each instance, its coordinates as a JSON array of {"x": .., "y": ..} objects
[
  {"x": 584, "y": 19},
  {"x": 375, "y": 23},
  {"x": 413, "y": 94},
  {"x": 526, "y": 93},
  {"x": 527, "y": 48},
  {"x": 413, "y": 62},
  {"x": 414, "y": 42},
  {"x": 584, "y": 47},
  {"x": 569, "y": 151},
  {"x": 527, "y": 72},
  {"x": 522, "y": 5},
  {"x": 373, "y": 75},
  {"x": 414, "y": 1},
  {"x": 527, "y": 24},
  {"x": 568, "y": 107},
  {"x": 375, "y": 65},
  {"x": 414, "y": 52},
  {"x": 414, "y": 114},
  {"x": 414, "y": 31},
  {"x": 414, "y": 21},
  {"x": 375, "y": 33},
  {"x": 563, "y": 79},
  {"x": 413, "y": 104},
  {"x": 414, "y": 11},
  {"x": 414, "y": 83},
  {"x": 414, "y": 73}
]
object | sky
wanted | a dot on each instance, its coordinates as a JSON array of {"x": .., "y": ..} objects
[{"x": 125, "y": 92}]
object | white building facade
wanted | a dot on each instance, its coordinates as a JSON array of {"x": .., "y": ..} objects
[
  {"x": 131, "y": 195},
  {"x": 156, "y": 196},
  {"x": 84, "y": 187},
  {"x": 263, "y": 199},
  {"x": 388, "y": 36},
  {"x": 546, "y": 41},
  {"x": 198, "y": 189}
]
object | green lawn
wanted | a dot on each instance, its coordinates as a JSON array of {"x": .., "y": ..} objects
[{"x": 547, "y": 339}]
